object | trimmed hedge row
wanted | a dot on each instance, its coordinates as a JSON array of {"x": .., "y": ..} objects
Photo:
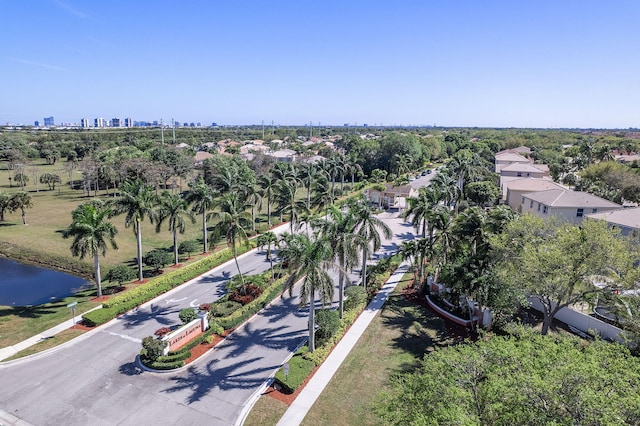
[
  {"x": 299, "y": 370},
  {"x": 145, "y": 292},
  {"x": 245, "y": 312}
]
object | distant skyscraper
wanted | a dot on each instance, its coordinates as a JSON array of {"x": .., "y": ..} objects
[
  {"x": 36, "y": 123},
  {"x": 115, "y": 122},
  {"x": 48, "y": 122},
  {"x": 100, "y": 122},
  {"x": 128, "y": 122},
  {"x": 84, "y": 123}
]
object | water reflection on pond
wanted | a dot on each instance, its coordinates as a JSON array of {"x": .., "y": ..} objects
[{"x": 23, "y": 285}]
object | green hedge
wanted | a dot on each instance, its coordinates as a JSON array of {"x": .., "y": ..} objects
[
  {"x": 148, "y": 291},
  {"x": 299, "y": 370}
]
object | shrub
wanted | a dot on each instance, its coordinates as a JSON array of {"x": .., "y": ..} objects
[
  {"x": 99, "y": 316},
  {"x": 204, "y": 307},
  {"x": 162, "y": 331},
  {"x": 250, "y": 293},
  {"x": 188, "y": 247},
  {"x": 328, "y": 322},
  {"x": 120, "y": 274},
  {"x": 215, "y": 328},
  {"x": 209, "y": 339},
  {"x": 225, "y": 308},
  {"x": 152, "y": 348},
  {"x": 356, "y": 296},
  {"x": 187, "y": 315},
  {"x": 157, "y": 259},
  {"x": 299, "y": 369}
]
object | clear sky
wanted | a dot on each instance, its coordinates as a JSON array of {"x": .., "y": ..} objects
[{"x": 488, "y": 63}]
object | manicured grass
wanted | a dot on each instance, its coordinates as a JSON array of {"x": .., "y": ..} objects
[
  {"x": 394, "y": 342},
  {"x": 49, "y": 343},
  {"x": 266, "y": 411}
]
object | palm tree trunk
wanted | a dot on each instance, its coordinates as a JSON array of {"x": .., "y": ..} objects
[
  {"x": 269, "y": 211},
  {"x": 24, "y": 216},
  {"x": 312, "y": 322},
  {"x": 139, "y": 246},
  {"x": 175, "y": 247},
  {"x": 96, "y": 272},
  {"x": 364, "y": 268},
  {"x": 341, "y": 293},
  {"x": 204, "y": 231},
  {"x": 253, "y": 217},
  {"x": 235, "y": 257}
]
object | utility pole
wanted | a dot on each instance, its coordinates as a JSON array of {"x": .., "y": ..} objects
[
  {"x": 173, "y": 124},
  {"x": 273, "y": 132},
  {"x": 162, "y": 130}
]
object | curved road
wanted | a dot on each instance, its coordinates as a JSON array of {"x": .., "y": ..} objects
[{"x": 94, "y": 380}]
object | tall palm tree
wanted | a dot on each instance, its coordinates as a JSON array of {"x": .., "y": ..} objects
[
  {"x": 268, "y": 239},
  {"x": 338, "y": 228},
  {"x": 309, "y": 259},
  {"x": 420, "y": 207},
  {"x": 136, "y": 201},
  {"x": 368, "y": 227},
  {"x": 268, "y": 185},
  {"x": 447, "y": 187},
  {"x": 21, "y": 201},
  {"x": 322, "y": 196},
  {"x": 174, "y": 208},
  {"x": 253, "y": 195},
  {"x": 287, "y": 202},
  {"x": 233, "y": 219},
  {"x": 202, "y": 198},
  {"x": 91, "y": 231}
]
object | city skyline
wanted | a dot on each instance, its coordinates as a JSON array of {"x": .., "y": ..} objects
[{"x": 542, "y": 64}]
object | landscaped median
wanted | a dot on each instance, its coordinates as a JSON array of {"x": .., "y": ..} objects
[{"x": 154, "y": 288}]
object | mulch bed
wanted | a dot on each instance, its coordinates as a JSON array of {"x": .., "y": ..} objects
[{"x": 80, "y": 325}]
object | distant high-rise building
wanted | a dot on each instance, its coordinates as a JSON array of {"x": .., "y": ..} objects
[
  {"x": 36, "y": 123},
  {"x": 128, "y": 122},
  {"x": 100, "y": 122},
  {"x": 115, "y": 122},
  {"x": 48, "y": 121},
  {"x": 84, "y": 123}
]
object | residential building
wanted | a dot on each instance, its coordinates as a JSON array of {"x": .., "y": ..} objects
[
  {"x": 115, "y": 122},
  {"x": 49, "y": 122},
  {"x": 505, "y": 158},
  {"x": 391, "y": 197},
  {"x": 514, "y": 189},
  {"x": 100, "y": 122},
  {"x": 565, "y": 204},
  {"x": 84, "y": 123},
  {"x": 128, "y": 122},
  {"x": 627, "y": 220}
]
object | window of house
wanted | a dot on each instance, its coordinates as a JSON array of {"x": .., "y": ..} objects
[
  {"x": 538, "y": 206},
  {"x": 580, "y": 212},
  {"x": 544, "y": 209},
  {"x": 522, "y": 200},
  {"x": 519, "y": 174},
  {"x": 531, "y": 204},
  {"x": 594, "y": 211}
]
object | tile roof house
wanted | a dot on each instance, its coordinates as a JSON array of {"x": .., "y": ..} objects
[
  {"x": 505, "y": 158},
  {"x": 566, "y": 204},
  {"x": 514, "y": 189},
  {"x": 627, "y": 220},
  {"x": 392, "y": 196}
]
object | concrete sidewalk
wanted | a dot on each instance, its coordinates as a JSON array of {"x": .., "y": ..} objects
[
  {"x": 12, "y": 350},
  {"x": 302, "y": 404}
]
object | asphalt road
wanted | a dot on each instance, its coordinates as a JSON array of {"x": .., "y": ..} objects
[{"x": 94, "y": 379}]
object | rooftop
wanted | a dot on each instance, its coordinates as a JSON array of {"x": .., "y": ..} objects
[
  {"x": 629, "y": 218},
  {"x": 569, "y": 198}
]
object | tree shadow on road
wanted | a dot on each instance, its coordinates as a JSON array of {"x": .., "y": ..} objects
[
  {"x": 130, "y": 369},
  {"x": 165, "y": 315}
]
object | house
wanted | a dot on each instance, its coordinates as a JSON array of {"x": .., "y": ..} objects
[
  {"x": 286, "y": 155},
  {"x": 391, "y": 197},
  {"x": 505, "y": 158},
  {"x": 627, "y": 220},
  {"x": 201, "y": 156},
  {"x": 565, "y": 204},
  {"x": 514, "y": 189}
]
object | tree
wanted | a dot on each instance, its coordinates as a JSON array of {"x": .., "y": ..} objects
[
  {"x": 21, "y": 201},
  {"x": 136, "y": 201},
  {"x": 21, "y": 179},
  {"x": 338, "y": 229},
  {"x": 50, "y": 179},
  {"x": 202, "y": 198},
  {"x": 5, "y": 204},
  {"x": 483, "y": 193},
  {"x": 524, "y": 379},
  {"x": 288, "y": 203},
  {"x": 92, "y": 232},
  {"x": 157, "y": 259},
  {"x": 174, "y": 209},
  {"x": 188, "y": 247},
  {"x": 309, "y": 260},
  {"x": 268, "y": 185},
  {"x": 368, "y": 228},
  {"x": 233, "y": 219},
  {"x": 558, "y": 264},
  {"x": 268, "y": 239},
  {"x": 120, "y": 274}
]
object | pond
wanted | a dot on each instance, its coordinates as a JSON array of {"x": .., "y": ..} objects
[{"x": 26, "y": 285}]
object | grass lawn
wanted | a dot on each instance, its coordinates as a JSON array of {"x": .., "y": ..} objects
[
  {"x": 400, "y": 335},
  {"x": 49, "y": 343}
]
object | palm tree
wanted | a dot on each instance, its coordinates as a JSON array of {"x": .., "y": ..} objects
[
  {"x": 446, "y": 187},
  {"x": 136, "y": 201},
  {"x": 202, "y": 198},
  {"x": 21, "y": 201},
  {"x": 174, "y": 208},
  {"x": 420, "y": 207},
  {"x": 253, "y": 194},
  {"x": 338, "y": 228},
  {"x": 233, "y": 219},
  {"x": 268, "y": 185},
  {"x": 268, "y": 239},
  {"x": 287, "y": 202},
  {"x": 322, "y": 198},
  {"x": 91, "y": 231},
  {"x": 5, "y": 204},
  {"x": 309, "y": 259},
  {"x": 368, "y": 227}
]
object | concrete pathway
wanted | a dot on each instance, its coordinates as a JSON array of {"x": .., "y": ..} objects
[
  {"x": 10, "y": 351},
  {"x": 302, "y": 404}
]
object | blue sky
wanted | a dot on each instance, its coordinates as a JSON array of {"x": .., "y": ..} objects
[{"x": 490, "y": 63}]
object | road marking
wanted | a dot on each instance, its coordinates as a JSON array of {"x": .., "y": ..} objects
[
  {"x": 175, "y": 300},
  {"x": 193, "y": 303},
  {"x": 124, "y": 336}
]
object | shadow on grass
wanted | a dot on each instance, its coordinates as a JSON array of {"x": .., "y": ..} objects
[{"x": 3, "y": 224}]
